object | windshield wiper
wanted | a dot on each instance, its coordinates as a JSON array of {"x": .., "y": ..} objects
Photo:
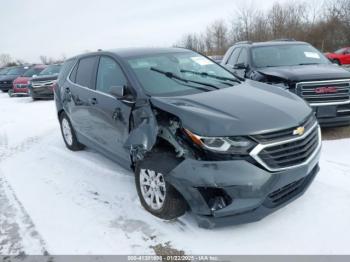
[
  {"x": 171, "y": 75},
  {"x": 210, "y": 75}
]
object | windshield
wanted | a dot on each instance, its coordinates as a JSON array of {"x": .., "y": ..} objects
[
  {"x": 287, "y": 55},
  {"x": 179, "y": 74},
  {"x": 33, "y": 71},
  {"x": 17, "y": 71},
  {"x": 4, "y": 71},
  {"x": 51, "y": 70}
]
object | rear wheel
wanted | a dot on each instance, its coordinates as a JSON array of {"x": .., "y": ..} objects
[
  {"x": 157, "y": 196},
  {"x": 68, "y": 133}
]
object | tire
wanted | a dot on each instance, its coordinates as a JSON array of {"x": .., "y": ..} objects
[
  {"x": 337, "y": 61},
  {"x": 160, "y": 163},
  {"x": 10, "y": 93},
  {"x": 68, "y": 134},
  {"x": 4, "y": 91}
]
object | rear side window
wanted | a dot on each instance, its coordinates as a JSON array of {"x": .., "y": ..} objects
[
  {"x": 85, "y": 71},
  {"x": 234, "y": 56},
  {"x": 109, "y": 74},
  {"x": 67, "y": 66}
]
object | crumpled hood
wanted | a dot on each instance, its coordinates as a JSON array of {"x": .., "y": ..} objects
[
  {"x": 306, "y": 72},
  {"x": 246, "y": 109},
  {"x": 21, "y": 80}
]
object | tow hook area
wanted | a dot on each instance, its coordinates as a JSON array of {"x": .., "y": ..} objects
[{"x": 216, "y": 198}]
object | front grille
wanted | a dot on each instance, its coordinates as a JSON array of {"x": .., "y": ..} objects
[
  {"x": 21, "y": 86},
  {"x": 332, "y": 92},
  {"x": 292, "y": 153},
  {"x": 285, "y": 133},
  {"x": 42, "y": 83}
]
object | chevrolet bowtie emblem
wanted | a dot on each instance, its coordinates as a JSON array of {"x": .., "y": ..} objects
[{"x": 299, "y": 131}]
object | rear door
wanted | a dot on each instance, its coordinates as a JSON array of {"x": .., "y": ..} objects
[
  {"x": 79, "y": 93},
  {"x": 110, "y": 116}
]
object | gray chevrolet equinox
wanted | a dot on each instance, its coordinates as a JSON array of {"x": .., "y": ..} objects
[{"x": 197, "y": 137}]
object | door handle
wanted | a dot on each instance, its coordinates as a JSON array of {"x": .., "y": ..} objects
[{"x": 93, "y": 101}]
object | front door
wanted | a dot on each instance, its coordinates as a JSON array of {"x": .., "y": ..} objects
[{"x": 110, "y": 116}]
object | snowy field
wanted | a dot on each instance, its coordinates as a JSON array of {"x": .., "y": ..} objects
[{"x": 56, "y": 201}]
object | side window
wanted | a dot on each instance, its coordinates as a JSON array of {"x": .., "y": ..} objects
[
  {"x": 109, "y": 74},
  {"x": 243, "y": 57},
  {"x": 234, "y": 56},
  {"x": 85, "y": 71},
  {"x": 67, "y": 66}
]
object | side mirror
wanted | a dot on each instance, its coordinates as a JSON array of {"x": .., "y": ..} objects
[
  {"x": 240, "y": 66},
  {"x": 117, "y": 91}
]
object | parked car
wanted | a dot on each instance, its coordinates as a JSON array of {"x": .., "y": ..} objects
[
  {"x": 341, "y": 56},
  {"x": 41, "y": 86},
  {"x": 216, "y": 58},
  {"x": 6, "y": 81},
  {"x": 3, "y": 71},
  {"x": 20, "y": 84},
  {"x": 196, "y": 136},
  {"x": 299, "y": 68}
]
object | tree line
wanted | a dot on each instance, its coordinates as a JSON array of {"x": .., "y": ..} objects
[
  {"x": 7, "y": 60},
  {"x": 326, "y": 25}
]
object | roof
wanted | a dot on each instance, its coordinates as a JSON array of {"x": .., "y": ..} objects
[
  {"x": 138, "y": 51},
  {"x": 272, "y": 43}
]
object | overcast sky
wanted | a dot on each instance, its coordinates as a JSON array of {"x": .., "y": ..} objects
[{"x": 32, "y": 28}]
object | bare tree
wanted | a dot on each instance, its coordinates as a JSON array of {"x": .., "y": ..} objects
[{"x": 5, "y": 60}]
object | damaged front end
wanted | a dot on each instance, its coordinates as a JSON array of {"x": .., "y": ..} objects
[{"x": 222, "y": 184}]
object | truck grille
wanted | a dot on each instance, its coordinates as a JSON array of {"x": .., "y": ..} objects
[
  {"x": 289, "y": 153},
  {"x": 329, "y": 92},
  {"x": 21, "y": 85}
]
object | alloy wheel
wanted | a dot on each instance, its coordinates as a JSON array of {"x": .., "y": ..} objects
[{"x": 153, "y": 188}]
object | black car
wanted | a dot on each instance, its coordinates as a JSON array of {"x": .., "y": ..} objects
[
  {"x": 196, "y": 136},
  {"x": 41, "y": 86},
  {"x": 299, "y": 68},
  {"x": 6, "y": 80}
]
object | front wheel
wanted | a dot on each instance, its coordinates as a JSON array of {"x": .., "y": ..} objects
[
  {"x": 336, "y": 61},
  {"x": 157, "y": 196},
  {"x": 69, "y": 135}
]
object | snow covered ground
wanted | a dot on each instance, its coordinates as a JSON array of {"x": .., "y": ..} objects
[{"x": 56, "y": 201}]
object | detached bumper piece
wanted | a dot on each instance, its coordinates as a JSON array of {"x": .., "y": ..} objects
[{"x": 274, "y": 201}]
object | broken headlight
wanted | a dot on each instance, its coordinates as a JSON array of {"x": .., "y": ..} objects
[{"x": 229, "y": 145}]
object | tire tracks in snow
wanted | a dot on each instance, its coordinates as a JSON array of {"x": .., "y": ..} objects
[
  {"x": 16, "y": 226},
  {"x": 17, "y": 230},
  {"x": 7, "y": 151}
]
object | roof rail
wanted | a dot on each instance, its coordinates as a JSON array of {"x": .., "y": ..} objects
[
  {"x": 243, "y": 42},
  {"x": 283, "y": 40}
]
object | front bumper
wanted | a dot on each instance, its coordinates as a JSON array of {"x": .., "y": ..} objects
[
  {"x": 333, "y": 115},
  {"x": 254, "y": 191},
  {"x": 42, "y": 92},
  {"x": 5, "y": 87}
]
